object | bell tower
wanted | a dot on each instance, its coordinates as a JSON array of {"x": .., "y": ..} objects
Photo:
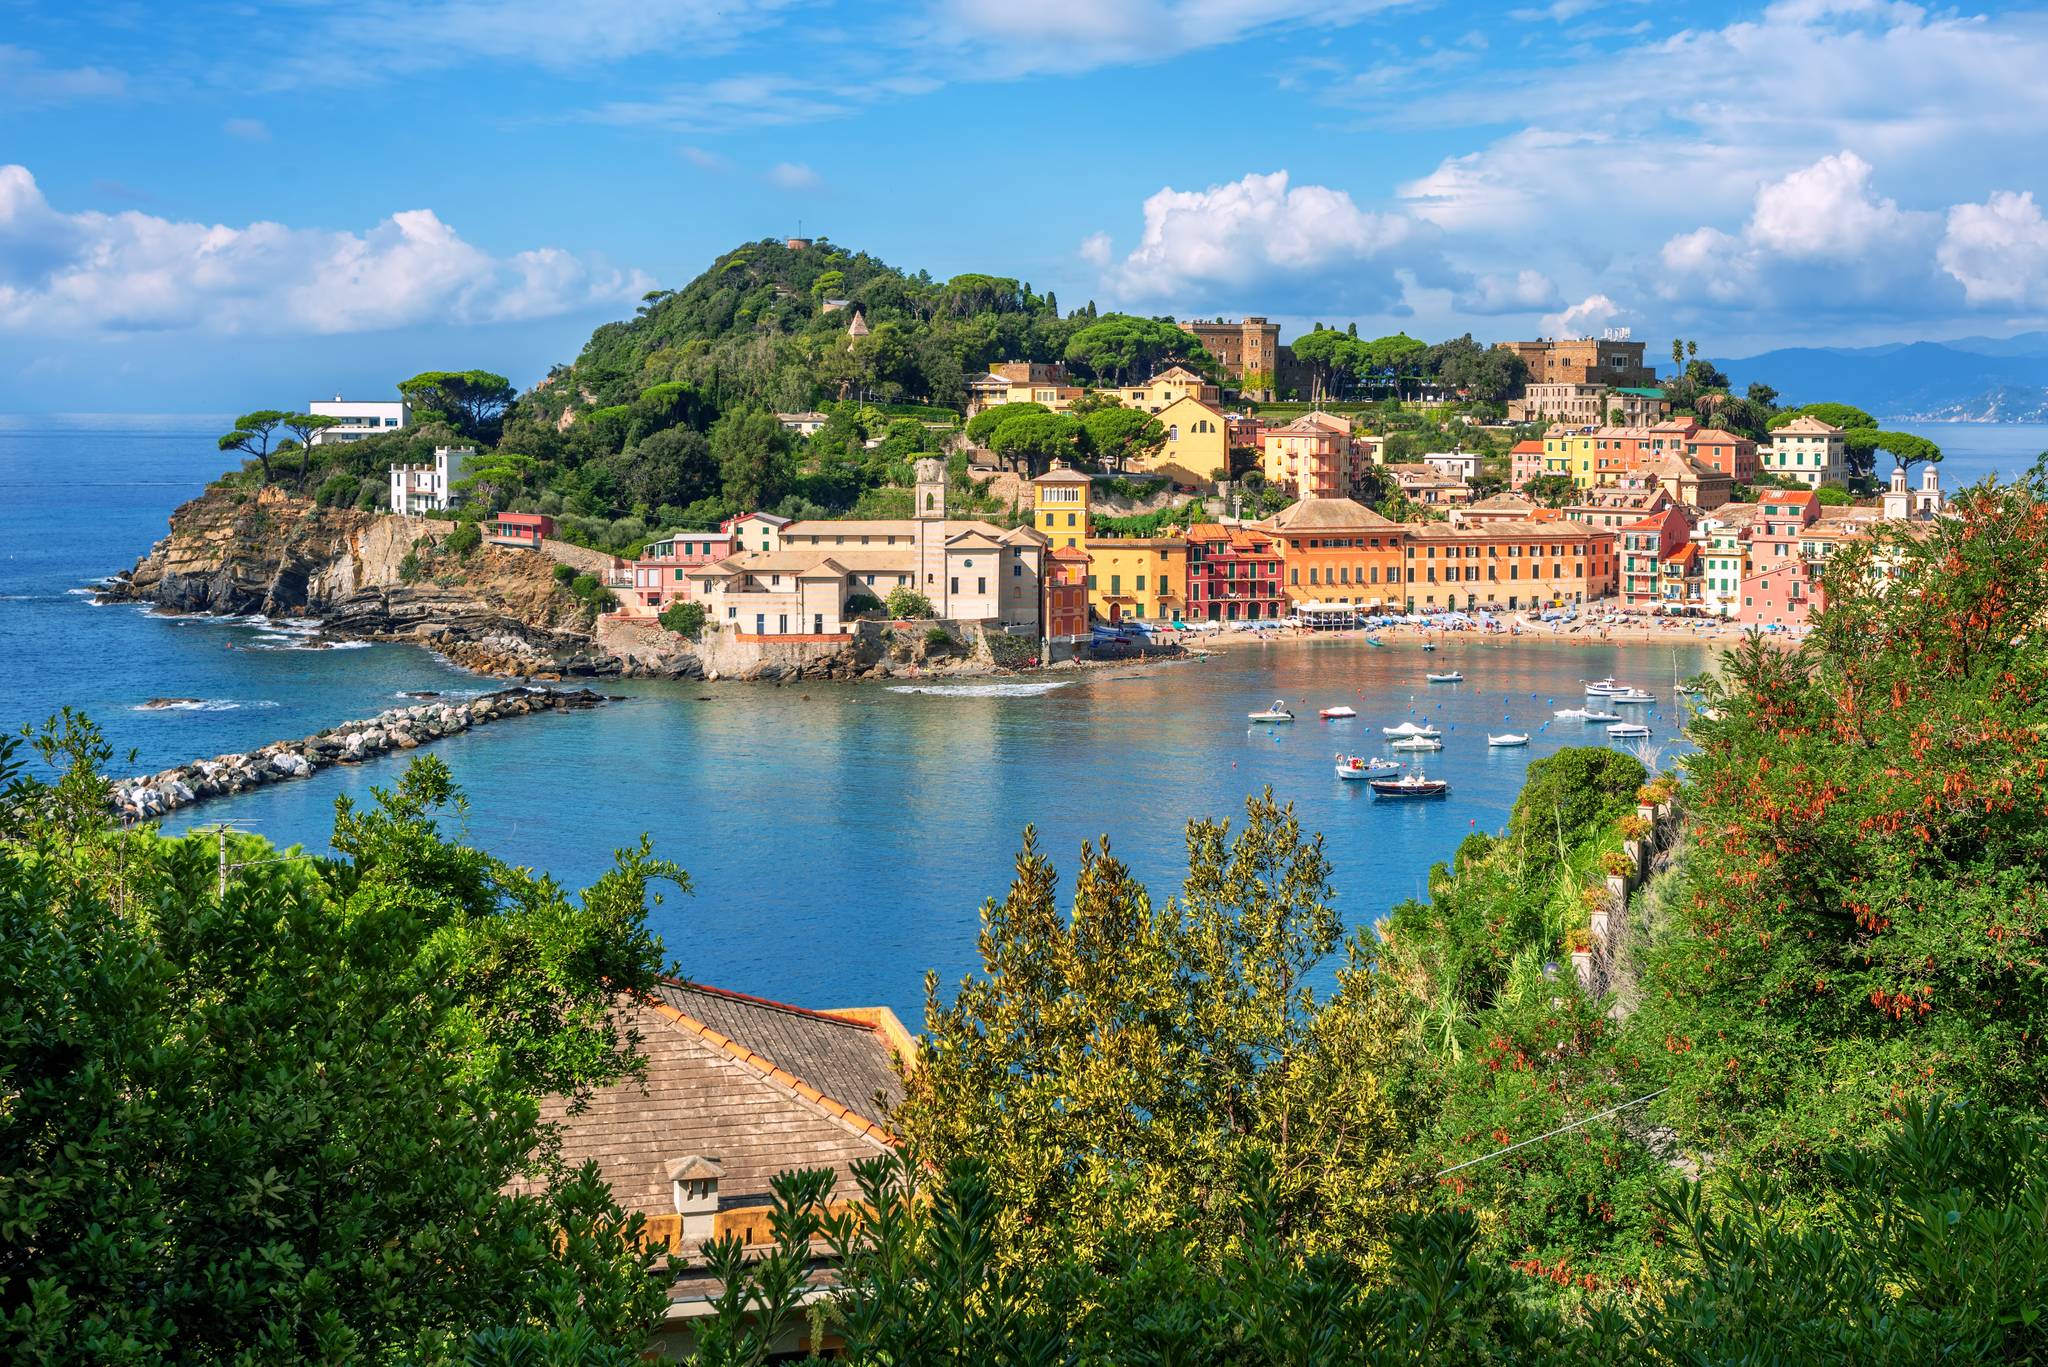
[{"x": 928, "y": 521}]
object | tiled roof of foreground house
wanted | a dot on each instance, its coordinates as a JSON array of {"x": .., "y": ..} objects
[{"x": 757, "y": 1086}]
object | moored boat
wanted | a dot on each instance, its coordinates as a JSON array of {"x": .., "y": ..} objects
[
  {"x": 1452, "y": 677},
  {"x": 1337, "y": 713},
  {"x": 1409, "y": 728},
  {"x": 1629, "y": 730},
  {"x": 1410, "y": 786},
  {"x": 1572, "y": 713},
  {"x": 1602, "y": 687},
  {"x": 1634, "y": 697},
  {"x": 1356, "y": 768},
  {"x": 1417, "y": 743},
  {"x": 1276, "y": 713},
  {"x": 1508, "y": 741},
  {"x": 1595, "y": 715}
]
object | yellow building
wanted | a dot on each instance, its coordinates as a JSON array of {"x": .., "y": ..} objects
[
  {"x": 1142, "y": 579},
  {"x": 1166, "y": 388},
  {"x": 1060, "y": 506},
  {"x": 1571, "y": 451},
  {"x": 1197, "y": 443}
]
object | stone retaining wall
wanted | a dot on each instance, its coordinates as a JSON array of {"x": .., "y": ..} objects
[
  {"x": 400, "y": 728},
  {"x": 1596, "y": 967}
]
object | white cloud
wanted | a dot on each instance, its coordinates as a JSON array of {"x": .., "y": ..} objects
[
  {"x": 1594, "y": 311},
  {"x": 1525, "y": 291},
  {"x": 94, "y": 272},
  {"x": 410, "y": 35},
  {"x": 246, "y": 130},
  {"x": 1096, "y": 249},
  {"x": 1998, "y": 251},
  {"x": 704, "y": 159},
  {"x": 1819, "y": 237},
  {"x": 1064, "y": 36},
  {"x": 792, "y": 176},
  {"x": 1259, "y": 240},
  {"x": 26, "y": 81}
]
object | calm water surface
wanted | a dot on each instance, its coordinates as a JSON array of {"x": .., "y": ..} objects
[{"x": 840, "y": 838}]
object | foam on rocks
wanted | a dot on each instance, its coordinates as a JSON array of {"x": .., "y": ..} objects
[{"x": 400, "y": 728}]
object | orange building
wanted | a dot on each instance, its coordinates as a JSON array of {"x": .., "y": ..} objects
[
  {"x": 1066, "y": 594},
  {"x": 1337, "y": 550},
  {"x": 1505, "y": 565}
]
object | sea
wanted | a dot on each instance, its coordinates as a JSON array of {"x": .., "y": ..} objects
[{"x": 839, "y": 838}]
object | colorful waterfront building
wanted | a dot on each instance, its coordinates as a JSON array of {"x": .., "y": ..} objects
[
  {"x": 1337, "y": 551},
  {"x": 1059, "y": 509},
  {"x": 1525, "y": 462},
  {"x": 1197, "y": 444},
  {"x": 1066, "y": 595},
  {"x": 1808, "y": 450},
  {"x": 1733, "y": 455},
  {"x": 1234, "y": 574},
  {"x": 1312, "y": 456},
  {"x": 1504, "y": 565},
  {"x": 1137, "y": 578},
  {"x": 660, "y": 575},
  {"x": 1645, "y": 546}
]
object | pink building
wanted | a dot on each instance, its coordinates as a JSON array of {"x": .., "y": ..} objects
[
  {"x": 524, "y": 530},
  {"x": 1732, "y": 455},
  {"x": 1525, "y": 462},
  {"x": 1782, "y": 596},
  {"x": 661, "y": 575}
]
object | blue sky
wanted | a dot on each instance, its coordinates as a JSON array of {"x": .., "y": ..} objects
[{"x": 214, "y": 207}]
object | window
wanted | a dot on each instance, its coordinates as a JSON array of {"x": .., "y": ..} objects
[
  {"x": 1116, "y": 583},
  {"x": 1141, "y": 583},
  {"x": 955, "y": 583},
  {"x": 817, "y": 624},
  {"x": 760, "y": 624},
  {"x": 782, "y": 624},
  {"x": 1017, "y": 570},
  {"x": 981, "y": 584}
]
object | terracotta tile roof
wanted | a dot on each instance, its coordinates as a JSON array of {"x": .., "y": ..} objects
[
  {"x": 1526, "y": 448},
  {"x": 754, "y": 1086},
  {"x": 1714, "y": 436},
  {"x": 1326, "y": 514}
]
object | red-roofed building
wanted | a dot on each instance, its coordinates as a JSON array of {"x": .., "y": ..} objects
[
  {"x": 1233, "y": 574},
  {"x": 1734, "y": 456},
  {"x": 1778, "y": 586},
  {"x": 1645, "y": 546},
  {"x": 524, "y": 530},
  {"x": 1679, "y": 575},
  {"x": 1066, "y": 594}
]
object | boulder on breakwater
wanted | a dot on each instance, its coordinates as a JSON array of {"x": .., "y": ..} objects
[{"x": 400, "y": 728}]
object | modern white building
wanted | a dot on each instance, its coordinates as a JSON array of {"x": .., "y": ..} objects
[
  {"x": 1454, "y": 464},
  {"x": 359, "y": 418},
  {"x": 431, "y": 488},
  {"x": 1808, "y": 450}
]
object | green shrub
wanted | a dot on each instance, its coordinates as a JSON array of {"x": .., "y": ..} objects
[
  {"x": 938, "y": 638},
  {"x": 585, "y": 586},
  {"x": 908, "y": 604},
  {"x": 862, "y": 604},
  {"x": 565, "y": 574},
  {"x": 685, "y": 619},
  {"x": 463, "y": 540},
  {"x": 410, "y": 569},
  {"x": 337, "y": 491}
]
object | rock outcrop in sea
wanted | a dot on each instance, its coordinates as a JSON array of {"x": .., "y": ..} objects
[{"x": 400, "y": 728}]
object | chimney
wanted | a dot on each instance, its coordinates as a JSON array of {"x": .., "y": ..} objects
[{"x": 694, "y": 1181}]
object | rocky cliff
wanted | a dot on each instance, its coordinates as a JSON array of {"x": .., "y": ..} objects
[{"x": 496, "y": 610}]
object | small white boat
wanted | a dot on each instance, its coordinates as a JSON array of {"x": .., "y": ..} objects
[
  {"x": 1410, "y": 786},
  {"x": 1602, "y": 687},
  {"x": 1507, "y": 742},
  {"x": 1417, "y": 743},
  {"x": 1572, "y": 714},
  {"x": 1276, "y": 713},
  {"x": 1635, "y": 697},
  {"x": 1595, "y": 715},
  {"x": 1354, "y": 768},
  {"x": 1453, "y": 677},
  {"x": 1337, "y": 713},
  {"x": 1409, "y": 728},
  {"x": 1629, "y": 730}
]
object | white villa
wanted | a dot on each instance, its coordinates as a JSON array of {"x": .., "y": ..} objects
[
  {"x": 1808, "y": 450},
  {"x": 431, "y": 488},
  {"x": 806, "y": 573},
  {"x": 359, "y": 418}
]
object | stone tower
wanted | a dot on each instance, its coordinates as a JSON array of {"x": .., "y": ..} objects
[{"x": 928, "y": 520}]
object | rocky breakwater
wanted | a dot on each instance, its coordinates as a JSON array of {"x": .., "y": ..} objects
[
  {"x": 400, "y": 728},
  {"x": 372, "y": 576}
]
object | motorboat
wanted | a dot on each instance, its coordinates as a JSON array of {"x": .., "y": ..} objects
[
  {"x": 1592, "y": 716},
  {"x": 1338, "y": 713},
  {"x": 1276, "y": 713},
  {"x": 1634, "y": 697},
  {"x": 1409, "y": 728},
  {"x": 1629, "y": 730},
  {"x": 1602, "y": 687},
  {"x": 1355, "y": 768},
  {"x": 1410, "y": 786},
  {"x": 1507, "y": 742},
  {"x": 1572, "y": 714},
  {"x": 1453, "y": 677},
  {"x": 1417, "y": 743}
]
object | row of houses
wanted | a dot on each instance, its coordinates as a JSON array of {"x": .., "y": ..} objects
[{"x": 1807, "y": 450}]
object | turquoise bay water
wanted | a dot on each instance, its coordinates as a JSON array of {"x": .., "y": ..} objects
[{"x": 840, "y": 838}]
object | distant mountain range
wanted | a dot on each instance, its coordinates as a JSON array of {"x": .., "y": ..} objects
[{"x": 1969, "y": 379}]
